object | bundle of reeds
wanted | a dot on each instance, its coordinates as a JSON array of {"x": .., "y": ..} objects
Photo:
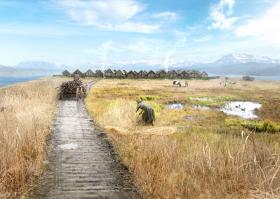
[{"x": 69, "y": 89}]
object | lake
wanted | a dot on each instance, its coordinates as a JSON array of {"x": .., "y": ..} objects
[
  {"x": 4, "y": 81},
  {"x": 272, "y": 78}
]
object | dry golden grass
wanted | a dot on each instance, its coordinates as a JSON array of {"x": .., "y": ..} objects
[
  {"x": 203, "y": 159},
  {"x": 26, "y": 113}
]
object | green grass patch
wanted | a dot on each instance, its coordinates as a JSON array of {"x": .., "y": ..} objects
[
  {"x": 212, "y": 101},
  {"x": 149, "y": 97},
  {"x": 258, "y": 126},
  {"x": 157, "y": 107}
]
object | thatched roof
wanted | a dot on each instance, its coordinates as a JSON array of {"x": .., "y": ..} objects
[
  {"x": 204, "y": 74},
  {"x": 66, "y": 73},
  {"x": 119, "y": 72},
  {"x": 98, "y": 72},
  {"x": 131, "y": 72},
  {"x": 89, "y": 71},
  {"x": 78, "y": 72},
  {"x": 108, "y": 71},
  {"x": 161, "y": 72},
  {"x": 151, "y": 72}
]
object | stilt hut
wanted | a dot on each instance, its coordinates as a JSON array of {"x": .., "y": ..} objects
[
  {"x": 108, "y": 73},
  {"x": 172, "y": 74},
  {"x": 89, "y": 73},
  {"x": 204, "y": 74},
  {"x": 141, "y": 74},
  {"x": 125, "y": 73},
  {"x": 151, "y": 74},
  {"x": 78, "y": 72},
  {"x": 98, "y": 73},
  {"x": 131, "y": 74},
  {"x": 66, "y": 73},
  {"x": 119, "y": 74},
  {"x": 162, "y": 74}
]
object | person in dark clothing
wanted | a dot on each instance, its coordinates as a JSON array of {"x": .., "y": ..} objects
[{"x": 147, "y": 112}]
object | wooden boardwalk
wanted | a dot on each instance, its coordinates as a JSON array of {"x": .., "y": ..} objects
[{"x": 82, "y": 163}]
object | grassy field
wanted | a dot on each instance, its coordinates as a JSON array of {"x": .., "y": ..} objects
[
  {"x": 26, "y": 114},
  {"x": 211, "y": 155}
]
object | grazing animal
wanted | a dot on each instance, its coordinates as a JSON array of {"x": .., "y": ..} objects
[
  {"x": 147, "y": 112},
  {"x": 177, "y": 83}
]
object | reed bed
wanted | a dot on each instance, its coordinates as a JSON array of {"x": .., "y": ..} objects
[
  {"x": 210, "y": 161},
  {"x": 26, "y": 114}
]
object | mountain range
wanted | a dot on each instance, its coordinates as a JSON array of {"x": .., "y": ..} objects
[
  {"x": 29, "y": 69},
  {"x": 240, "y": 64},
  {"x": 232, "y": 64}
]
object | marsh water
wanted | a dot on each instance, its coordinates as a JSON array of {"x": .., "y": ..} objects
[
  {"x": 242, "y": 109},
  {"x": 245, "y": 110},
  {"x": 5, "y": 81},
  {"x": 178, "y": 106}
]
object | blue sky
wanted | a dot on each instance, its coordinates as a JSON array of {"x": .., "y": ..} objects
[{"x": 131, "y": 31}]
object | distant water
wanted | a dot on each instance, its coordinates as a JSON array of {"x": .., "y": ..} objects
[
  {"x": 5, "y": 81},
  {"x": 272, "y": 78}
]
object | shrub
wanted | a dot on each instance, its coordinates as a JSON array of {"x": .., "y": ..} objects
[
  {"x": 248, "y": 78},
  {"x": 258, "y": 126},
  {"x": 148, "y": 97}
]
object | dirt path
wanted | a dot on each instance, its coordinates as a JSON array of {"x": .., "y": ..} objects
[{"x": 82, "y": 163}]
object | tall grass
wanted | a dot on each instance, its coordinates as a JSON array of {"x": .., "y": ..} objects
[
  {"x": 193, "y": 163},
  {"x": 26, "y": 113}
]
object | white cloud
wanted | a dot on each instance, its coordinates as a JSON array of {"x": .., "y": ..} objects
[
  {"x": 166, "y": 15},
  {"x": 203, "y": 39},
  {"x": 115, "y": 15},
  {"x": 221, "y": 15},
  {"x": 266, "y": 27}
]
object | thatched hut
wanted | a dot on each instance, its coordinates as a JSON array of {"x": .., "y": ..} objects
[
  {"x": 89, "y": 73},
  {"x": 204, "y": 74},
  {"x": 145, "y": 74},
  {"x": 151, "y": 74},
  {"x": 195, "y": 74},
  {"x": 141, "y": 74},
  {"x": 78, "y": 72},
  {"x": 124, "y": 72},
  {"x": 182, "y": 74},
  {"x": 172, "y": 74},
  {"x": 109, "y": 73},
  {"x": 66, "y": 73},
  {"x": 161, "y": 74},
  {"x": 98, "y": 73},
  {"x": 131, "y": 74},
  {"x": 119, "y": 74}
]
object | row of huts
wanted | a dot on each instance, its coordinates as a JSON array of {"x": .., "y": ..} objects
[{"x": 183, "y": 74}]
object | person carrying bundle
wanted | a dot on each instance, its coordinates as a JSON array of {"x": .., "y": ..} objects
[{"x": 147, "y": 112}]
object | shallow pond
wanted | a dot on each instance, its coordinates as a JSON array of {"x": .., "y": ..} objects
[
  {"x": 200, "y": 107},
  {"x": 177, "y": 106},
  {"x": 241, "y": 109}
]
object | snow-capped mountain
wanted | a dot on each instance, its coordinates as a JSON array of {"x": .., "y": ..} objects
[
  {"x": 241, "y": 58},
  {"x": 240, "y": 64},
  {"x": 237, "y": 63}
]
